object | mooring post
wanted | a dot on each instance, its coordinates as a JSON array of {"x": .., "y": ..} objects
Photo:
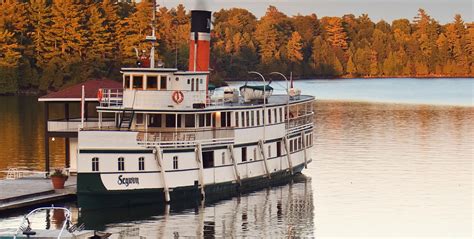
[
  {"x": 303, "y": 142},
  {"x": 234, "y": 162},
  {"x": 198, "y": 151},
  {"x": 288, "y": 154},
  {"x": 159, "y": 160},
  {"x": 262, "y": 152}
]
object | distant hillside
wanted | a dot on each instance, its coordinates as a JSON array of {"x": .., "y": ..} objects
[{"x": 46, "y": 45}]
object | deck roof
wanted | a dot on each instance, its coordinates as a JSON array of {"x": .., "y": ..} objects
[{"x": 74, "y": 93}]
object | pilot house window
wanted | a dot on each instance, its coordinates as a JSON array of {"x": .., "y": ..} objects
[
  {"x": 163, "y": 83},
  {"x": 138, "y": 82},
  {"x": 126, "y": 82},
  {"x": 152, "y": 82}
]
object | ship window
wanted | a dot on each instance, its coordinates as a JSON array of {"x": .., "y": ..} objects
[
  {"x": 229, "y": 122},
  {"x": 154, "y": 120},
  {"x": 175, "y": 162},
  {"x": 192, "y": 84},
  {"x": 269, "y": 116},
  {"x": 275, "y": 115},
  {"x": 223, "y": 119},
  {"x": 278, "y": 149},
  {"x": 291, "y": 146},
  {"x": 252, "y": 116},
  {"x": 214, "y": 119},
  {"x": 139, "y": 119},
  {"x": 208, "y": 159},
  {"x": 208, "y": 119},
  {"x": 201, "y": 120},
  {"x": 170, "y": 121},
  {"x": 95, "y": 164},
  {"x": 163, "y": 83},
  {"x": 236, "y": 119},
  {"x": 121, "y": 164},
  {"x": 141, "y": 163},
  {"x": 269, "y": 151},
  {"x": 258, "y": 117},
  {"x": 281, "y": 114},
  {"x": 189, "y": 81},
  {"x": 247, "y": 119},
  {"x": 138, "y": 82},
  {"x": 244, "y": 154},
  {"x": 126, "y": 83},
  {"x": 152, "y": 82},
  {"x": 189, "y": 121},
  {"x": 243, "y": 118},
  {"x": 223, "y": 158},
  {"x": 300, "y": 143},
  {"x": 197, "y": 84}
]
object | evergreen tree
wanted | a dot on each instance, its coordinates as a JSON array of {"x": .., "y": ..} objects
[{"x": 294, "y": 48}]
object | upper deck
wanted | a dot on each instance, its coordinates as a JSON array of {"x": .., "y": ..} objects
[{"x": 114, "y": 105}]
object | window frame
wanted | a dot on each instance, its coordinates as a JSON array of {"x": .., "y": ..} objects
[
  {"x": 95, "y": 164},
  {"x": 121, "y": 164},
  {"x": 141, "y": 164},
  {"x": 175, "y": 162}
]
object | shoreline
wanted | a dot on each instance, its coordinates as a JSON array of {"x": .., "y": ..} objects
[
  {"x": 391, "y": 103},
  {"x": 38, "y": 93},
  {"x": 369, "y": 78}
]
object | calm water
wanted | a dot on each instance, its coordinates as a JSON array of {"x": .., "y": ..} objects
[{"x": 379, "y": 170}]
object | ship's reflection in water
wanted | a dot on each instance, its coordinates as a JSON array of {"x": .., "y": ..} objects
[{"x": 281, "y": 211}]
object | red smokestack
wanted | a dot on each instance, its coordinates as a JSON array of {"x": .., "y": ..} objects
[{"x": 200, "y": 40}]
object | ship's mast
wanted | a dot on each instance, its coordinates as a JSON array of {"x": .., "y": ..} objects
[{"x": 152, "y": 38}]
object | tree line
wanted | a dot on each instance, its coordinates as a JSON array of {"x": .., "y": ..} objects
[{"x": 49, "y": 44}]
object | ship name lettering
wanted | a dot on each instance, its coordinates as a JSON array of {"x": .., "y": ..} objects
[{"x": 127, "y": 181}]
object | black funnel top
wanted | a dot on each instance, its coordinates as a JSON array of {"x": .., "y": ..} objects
[{"x": 201, "y": 21}]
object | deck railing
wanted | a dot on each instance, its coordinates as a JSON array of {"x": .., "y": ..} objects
[
  {"x": 300, "y": 122},
  {"x": 186, "y": 138},
  {"x": 72, "y": 125},
  {"x": 112, "y": 98}
]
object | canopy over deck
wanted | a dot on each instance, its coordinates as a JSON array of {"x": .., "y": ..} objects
[{"x": 74, "y": 93}]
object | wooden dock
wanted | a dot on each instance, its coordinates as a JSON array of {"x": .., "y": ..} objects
[{"x": 27, "y": 192}]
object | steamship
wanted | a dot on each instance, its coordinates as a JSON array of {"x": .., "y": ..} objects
[{"x": 174, "y": 139}]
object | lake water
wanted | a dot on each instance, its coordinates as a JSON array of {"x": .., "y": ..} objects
[{"x": 381, "y": 169}]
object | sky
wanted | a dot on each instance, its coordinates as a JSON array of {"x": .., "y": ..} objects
[{"x": 388, "y": 10}]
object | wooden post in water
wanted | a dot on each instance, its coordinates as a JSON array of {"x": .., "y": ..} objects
[
  {"x": 261, "y": 145},
  {"x": 234, "y": 162},
  {"x": 288, "y": 154},
  {"x": 159, "y": 161}
]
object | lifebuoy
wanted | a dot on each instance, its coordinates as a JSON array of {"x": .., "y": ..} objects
[
  {"x": 99, "y": 95},
  {"x": 177, "y": 97}
]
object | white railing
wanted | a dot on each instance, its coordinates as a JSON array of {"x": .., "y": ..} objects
[
  {"x": 186, "y": 139},
  {"x": 300, "y": 122},
  {"x": 73, "y": 125},
  {"x": 112, "y": 98}
]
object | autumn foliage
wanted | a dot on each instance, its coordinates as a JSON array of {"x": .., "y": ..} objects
[{"x": 49, "y": 44}]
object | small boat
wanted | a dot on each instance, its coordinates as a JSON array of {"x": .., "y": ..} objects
[
  {"x": 68, "y": 229},
  {"x": 255, "y": 92}
]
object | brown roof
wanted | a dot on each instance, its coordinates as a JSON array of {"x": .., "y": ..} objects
[{"x": 74, "y": 93}]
